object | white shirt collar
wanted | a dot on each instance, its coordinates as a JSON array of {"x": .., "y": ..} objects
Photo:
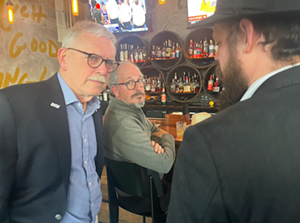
[{"x": 253, "y": 88}]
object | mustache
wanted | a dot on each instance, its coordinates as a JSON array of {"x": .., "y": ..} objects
[
  {"x": 99, "y": 78},
  {"x": 137, "y": 94}
]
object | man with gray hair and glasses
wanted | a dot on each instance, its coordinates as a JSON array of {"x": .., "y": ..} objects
[
  {"x": 51, "y": 143},
  {"x": 127, "y": 133}
]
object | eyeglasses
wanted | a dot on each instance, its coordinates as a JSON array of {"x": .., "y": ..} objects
[
  {"x": 95, "y": 61},
  {"x": 132, "y": 84}
]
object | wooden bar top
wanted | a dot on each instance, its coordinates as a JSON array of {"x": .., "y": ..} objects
[{"x": 171, "y": 128}]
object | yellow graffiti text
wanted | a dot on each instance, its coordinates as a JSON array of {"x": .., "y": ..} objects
[
  {"x": 16, "y": 49},
  {"x": 37, "y": 15},
  {"x": 15, "y": 53},
  {"x": 7, "y": 79}
]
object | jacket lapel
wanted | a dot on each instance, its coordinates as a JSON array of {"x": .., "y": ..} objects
[
  {"x": 99, "y": 159},
  {"x": 59, "y": 127}
]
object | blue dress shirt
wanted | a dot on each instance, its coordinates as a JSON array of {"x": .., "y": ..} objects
[{"x": 84, "y": 194}]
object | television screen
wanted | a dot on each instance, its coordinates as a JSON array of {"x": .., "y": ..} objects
[
  {"x": 200, "y": 9},
  {"x": 120, "y": 15}
]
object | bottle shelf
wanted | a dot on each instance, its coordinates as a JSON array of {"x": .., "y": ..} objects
[
  {"x": 194, "y": 77},
  {"x": 198, "y": 35},
  {"x": 153, "y": 93},
  {"x": 137, "y": 42},
  {"x": 201, "y": 59},
  {"x": 151, "y": 72},
  {"x": 165, "y": 59},
  {"x": 211, "y": 71},
  {"x": 183, "y": 94},
  {"x": 158, "y": 40}
]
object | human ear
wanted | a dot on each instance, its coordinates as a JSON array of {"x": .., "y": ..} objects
[
  {"x": 248, "y": 35},
  {"x": 115, "y": 91},
  {"x": 62, "y": 58}
]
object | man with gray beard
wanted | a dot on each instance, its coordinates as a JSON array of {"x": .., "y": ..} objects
[{"x": 127, "y": 132}]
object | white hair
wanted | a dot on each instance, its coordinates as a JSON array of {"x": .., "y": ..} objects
[{"x": 86, "y": 27}]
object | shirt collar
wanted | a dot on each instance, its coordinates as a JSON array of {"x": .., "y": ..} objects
[
  {"x": 253, "y": 88},
  {"x": 70, "y": 97}
]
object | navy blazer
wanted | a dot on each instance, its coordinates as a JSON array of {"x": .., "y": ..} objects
[{"x": 35, "y": 152}]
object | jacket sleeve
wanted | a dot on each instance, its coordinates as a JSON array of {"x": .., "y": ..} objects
[
  {"x": 153, "y": 128},
  {"x": 133, "y": 144},
  {"x": 8, "y": 156},
  {"x": 196, "y": 193}
]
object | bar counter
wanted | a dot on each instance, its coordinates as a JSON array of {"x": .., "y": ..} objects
[{"x": 171, "y": 129}]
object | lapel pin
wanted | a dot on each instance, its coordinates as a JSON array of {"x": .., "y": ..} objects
[{"x": 54, "y": 105}]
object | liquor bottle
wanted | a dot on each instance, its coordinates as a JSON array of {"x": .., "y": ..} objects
[
  {"x": 105, "y": 95},
  {"x": 136, "y": 54},
  {"x": 191, "y": 49},
  {"x": 176, "y": 83},
  {"x": 121, "y": 53},
  {"x": 125, "y": 52},
  {"x": 191, "y": 85},
  {"x": 131, "y": 54},
  {"x": 177, "y": 51},
  {"x": 153, "y": 85},
  {"x": 195, "y": 54},
  {"x": 141, "y": 57},
  {"x": 173, "y": 86},
  {"x": 211, "y": 48},
  {"x": 163, "y": 51},
  {"x": 153, "y": 52},
  {"x": 183, "y": 79},
  {"x": 100, "y": 97},
  {"x": 177, "y": 86},
  {"x": 169, "y": 48},
  {"x": 163, "y": 94},
  {"x": 148, "y": 85},
  {"x": 216, "y": 88},
  {"x": 186, "y": 87},
  {"x": 200, "y": 49},
  {"x": 144, "y": 54},
  {"x": 158, "y": 53},
  {"x": 158, "y": 85},
  {"x": 173, "y": 53},
  {"x": 168, "y": 52},
  {"x": 210, "y": 83},
  {"x": 180, "y": 86},
  {"x": 205, "y": 48}
]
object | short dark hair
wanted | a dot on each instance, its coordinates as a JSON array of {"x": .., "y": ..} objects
[{"x": 282, "y": 31}]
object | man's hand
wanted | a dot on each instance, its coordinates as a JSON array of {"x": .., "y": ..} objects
[
  {"x": 157, "y": 148},
  {"x": 159, "y": 134}
]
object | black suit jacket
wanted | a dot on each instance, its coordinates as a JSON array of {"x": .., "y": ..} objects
[
  {"x": 35, "y": 152},
  {"x": 243, "y": 165}
]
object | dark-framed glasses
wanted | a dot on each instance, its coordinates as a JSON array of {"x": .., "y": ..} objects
[
  {"x": 132, "y": 84},
  {"x": 95, "y": 61}
]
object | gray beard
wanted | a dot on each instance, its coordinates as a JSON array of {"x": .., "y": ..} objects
[{"x": 139, "y": 105}]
